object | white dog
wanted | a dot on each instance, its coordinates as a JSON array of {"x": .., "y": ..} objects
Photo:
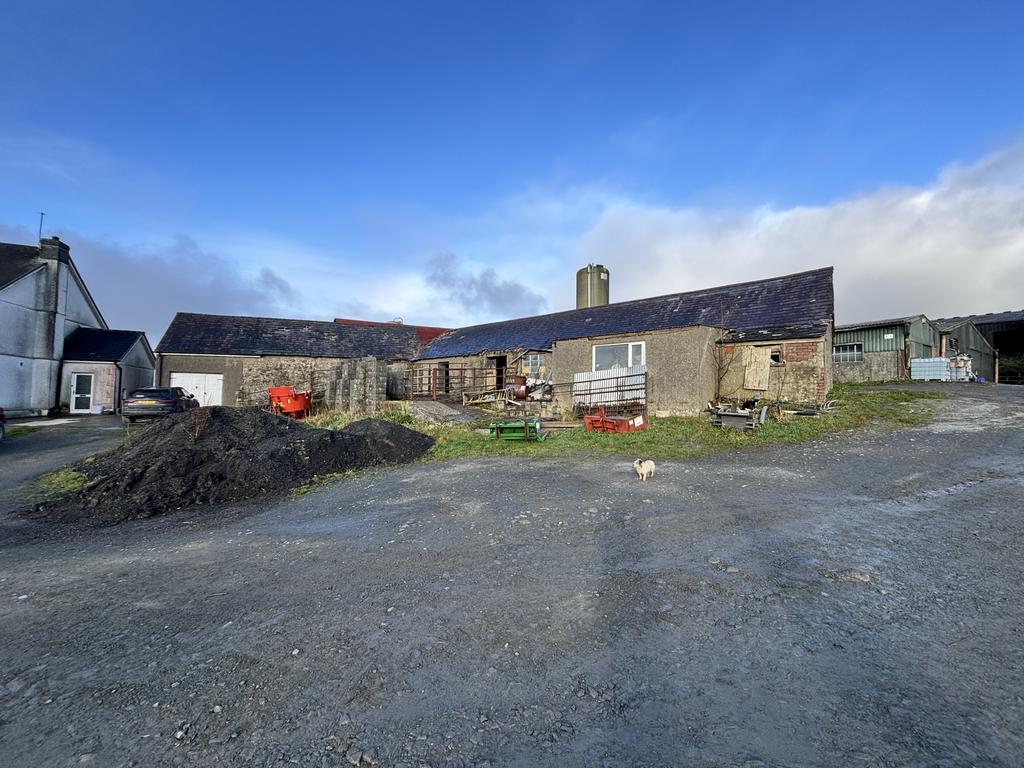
[{"x": 644, "y": 469}]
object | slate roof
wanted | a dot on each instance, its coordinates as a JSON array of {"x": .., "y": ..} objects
[
  {"x": 425, "y": 333},
  {"x": 1013, "y": 316},
  {"x": 99, "y": 344},
  {"x": 16, "y": 261},
  {"x": 793, "y": 306},
  {"x": 197, "y": 334},
  {"x": 878, "y": 323}
]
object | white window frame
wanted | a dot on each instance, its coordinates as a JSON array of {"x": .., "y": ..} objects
[
  {"x": 848, "y": 356},
  {"x": 629, "y": 353}
]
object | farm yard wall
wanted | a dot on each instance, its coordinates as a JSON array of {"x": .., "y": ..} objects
[
  {"x": 680, "y": 366},
  {"x": 347, "y": 384}
]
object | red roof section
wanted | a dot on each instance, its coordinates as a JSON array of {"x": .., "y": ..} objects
[{"x": 425, "y": 333}]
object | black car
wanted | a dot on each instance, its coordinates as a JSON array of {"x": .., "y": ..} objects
[
  {"x": 150, "y": 402},
  {"x": 2, "y": 421}
]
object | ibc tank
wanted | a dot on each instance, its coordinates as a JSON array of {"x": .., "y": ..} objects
[{"x": 591, "y": 286}]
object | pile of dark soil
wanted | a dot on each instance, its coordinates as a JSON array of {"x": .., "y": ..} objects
[{"x": 218, "y": 454}]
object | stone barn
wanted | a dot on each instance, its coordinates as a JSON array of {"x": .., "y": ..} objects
[
  {"x": 232, "y": 360},
  {"x": 765, "y": 337}
]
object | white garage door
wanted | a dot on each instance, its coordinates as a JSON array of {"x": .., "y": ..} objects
[{"x": 207, "y": 387}]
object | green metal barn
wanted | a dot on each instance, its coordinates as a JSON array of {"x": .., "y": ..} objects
[{"x": 882, "y": 350}]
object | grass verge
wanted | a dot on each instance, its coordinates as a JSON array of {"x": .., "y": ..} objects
[
  {"x": 679, "y": 437},
  {"x": 61, "y": 482},
  {"x": 20, "y": 431}
]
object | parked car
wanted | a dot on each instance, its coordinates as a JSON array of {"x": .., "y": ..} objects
[
  {"x": 2, "y": 421},
  {"x": 152, "y": 402}
]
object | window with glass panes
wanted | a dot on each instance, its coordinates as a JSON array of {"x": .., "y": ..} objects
[
  {"x": 608, "y": 357},
  {"x": 532, "y": 363},
  {"x": 848, "y": 353}
]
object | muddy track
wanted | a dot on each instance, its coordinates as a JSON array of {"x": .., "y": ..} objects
[{"x": 855, "y": 601}]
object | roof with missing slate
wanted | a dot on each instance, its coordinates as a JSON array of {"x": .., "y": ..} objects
[
  {"x": 793, "y": 306},
  {"x": 99, "y": 345},
  {"x": 16, "y": 261},
  {"x": 197, "y": 334}
]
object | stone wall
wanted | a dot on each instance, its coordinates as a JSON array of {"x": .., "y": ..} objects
[
  {"x": 876, "y": 366},
  {"x": 350, "y": 384},
  {"x": 803, "y": 373}
]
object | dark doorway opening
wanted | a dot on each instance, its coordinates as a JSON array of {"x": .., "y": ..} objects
[{"x": 500, "y": 363}]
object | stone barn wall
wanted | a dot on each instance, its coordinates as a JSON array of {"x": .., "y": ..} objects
[
  {"x": 345, "y": 384},
  {"x": 803, "y": 374}
]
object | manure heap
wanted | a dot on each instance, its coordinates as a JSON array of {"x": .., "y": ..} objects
[{"x": 218, "y": 454}]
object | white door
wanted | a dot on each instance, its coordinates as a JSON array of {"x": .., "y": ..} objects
[
  {"x": 81, "y": 392},
  {"x": 208, "y": 388}
]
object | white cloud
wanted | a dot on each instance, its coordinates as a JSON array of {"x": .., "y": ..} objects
[{"x": 951, "y": 247}]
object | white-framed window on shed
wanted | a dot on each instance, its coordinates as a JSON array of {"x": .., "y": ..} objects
[
  {"x": 848, "y": 353},
  {"x": 608, "y": 357}
]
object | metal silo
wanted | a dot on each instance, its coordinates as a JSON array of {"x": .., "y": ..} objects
[{"x": 591, "y": 286}]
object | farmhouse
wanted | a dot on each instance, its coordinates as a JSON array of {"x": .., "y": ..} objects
[
  {"x": 766, "y": 337},
  {"x": 231, "y": 360},
  {"x": 46, "y": 358},
  {"x": 882, "y": 350}
]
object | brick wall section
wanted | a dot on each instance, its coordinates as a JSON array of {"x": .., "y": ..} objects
[
  {"x": 800, "y": 352},
  {"x": 357, "y": 384}
]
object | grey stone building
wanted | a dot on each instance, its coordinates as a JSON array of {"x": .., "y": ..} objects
[{"x": 232, "y": 360}]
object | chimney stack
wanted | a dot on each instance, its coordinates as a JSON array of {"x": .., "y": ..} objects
[{"x": 52, "y": 248}]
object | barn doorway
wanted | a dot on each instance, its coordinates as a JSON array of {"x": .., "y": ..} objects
[{"x": 500, "y": 363}]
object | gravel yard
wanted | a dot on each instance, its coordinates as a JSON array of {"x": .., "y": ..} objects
[{"x": 850, "y": 601}]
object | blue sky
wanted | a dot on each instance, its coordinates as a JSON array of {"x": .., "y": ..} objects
[{"x": 328, "y": 155}]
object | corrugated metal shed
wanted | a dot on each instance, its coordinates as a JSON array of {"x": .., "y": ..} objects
[
  {"x": 892, "y": 335},
  {"x": 964, "y": 338}
]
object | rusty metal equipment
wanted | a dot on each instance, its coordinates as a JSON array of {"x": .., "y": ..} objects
[
  {"x": 600, "y": 422},
  {"x": 741, "y": 419},
  {"x": 287, "y": 402}
]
